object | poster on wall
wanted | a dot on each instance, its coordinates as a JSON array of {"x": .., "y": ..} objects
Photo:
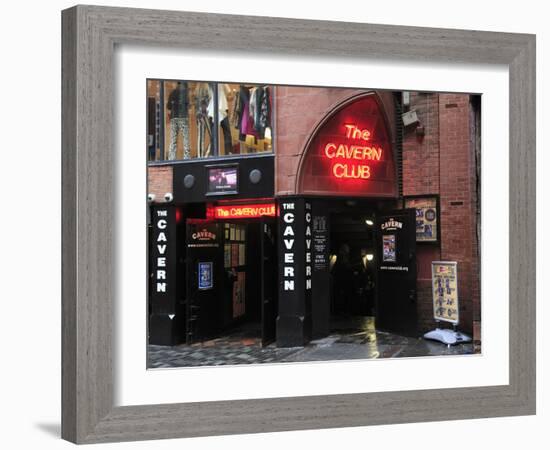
[
  {"x": 205, "y": 275},
  {"x": 388, "y": 248},
  {"x": 320, "y": 238},
  {"x": 445, "y": 291},
  {"x": 426, "y": 218}
]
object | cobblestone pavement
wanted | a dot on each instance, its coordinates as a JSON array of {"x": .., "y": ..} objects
[{"x": 358, "y": 339}]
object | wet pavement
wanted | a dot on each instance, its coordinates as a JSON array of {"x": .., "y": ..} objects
[{"x": 350, "y": 338}]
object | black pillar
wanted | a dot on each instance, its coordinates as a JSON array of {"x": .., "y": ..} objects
[
  {"x": 320, "y": 305},
  {"x": 295, "y": 272},
  {"x": 164, "y": 314}
]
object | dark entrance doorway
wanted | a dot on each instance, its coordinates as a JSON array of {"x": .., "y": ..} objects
[
  {"x": 396, "y": 276},
  {"x": 352, "y": 266},
  {"x": 352, "y": 263},
  {"x": 372, "y": 267},
  {"x": 231, "y": 273},
  {"x": 203, "y": 277}
]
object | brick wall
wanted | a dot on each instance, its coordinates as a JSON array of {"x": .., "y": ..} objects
[
  {"x": 443, "y": 162},
  {"x": 421, "y": 162},
  {"x": 159, "y": 181}
]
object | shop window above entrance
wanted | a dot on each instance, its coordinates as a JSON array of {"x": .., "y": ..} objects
[{"x": 182, "y": 122}]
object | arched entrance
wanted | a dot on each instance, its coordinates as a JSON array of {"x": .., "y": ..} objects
[
  {"x": 361, "y": 266},
  {"x": 350, "y": 152}
]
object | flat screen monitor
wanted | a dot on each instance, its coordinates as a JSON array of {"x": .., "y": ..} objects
[{"x": 222, "y": 180}]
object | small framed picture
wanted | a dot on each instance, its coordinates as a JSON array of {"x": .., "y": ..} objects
[{"x": 206, "y": 279}]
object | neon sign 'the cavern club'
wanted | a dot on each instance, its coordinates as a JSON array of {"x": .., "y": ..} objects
[{"x": 349, "y": 159}]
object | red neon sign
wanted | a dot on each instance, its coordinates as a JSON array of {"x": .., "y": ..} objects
[
  {"x": 351, "y": 153},
  {"x": 347, "y": 154},
  {"x": 249, "y": 211}
]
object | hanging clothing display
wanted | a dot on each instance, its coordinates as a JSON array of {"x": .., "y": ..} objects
[
  {"x": 223, "y": 111},
  {"x": 178, "y": 107},
  {"x": 222, "y": 101},
  {"x": 240, "y": 102},
  {"x": 227, "y": 141},
  {"x": 178, "y": 101},
  {"x": 263, "y": 111},
  {"x": 247, "y": 123},
  {"x": 177, "y": 124},
  {"x": 204, "y": 129},
  {"x": 236, "y": 115},
  {"x": 253, "y": 105},
  {"x": 252, "y": 112}
]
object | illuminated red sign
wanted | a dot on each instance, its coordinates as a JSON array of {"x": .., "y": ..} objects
[
  {"x": 350, "y": 159},
  {"x": 248, "y": 211},
  {"x": 350, "y": 153}
]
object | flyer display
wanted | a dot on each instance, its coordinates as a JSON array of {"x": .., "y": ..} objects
[
  {"x": 426, "y": 218},
  {"x": 445, "y": 291},
  {"x": 205, "y": 275}
]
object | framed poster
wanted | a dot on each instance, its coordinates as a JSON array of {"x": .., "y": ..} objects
[
  {"x": 445, "y": 291},
  {"x": 427, "y": 217},
  {"x": 388, "y": 248},
  {"x": 206, "y": 280},
  {"x": 90, "y": 410}
]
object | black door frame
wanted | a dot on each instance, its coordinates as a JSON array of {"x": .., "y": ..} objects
[
  {"x": 269, "y": 278},
  {"x": 408, "y": 329},
  {"x": 193, "y": 311},
  {"x": 191, "y": 290}
]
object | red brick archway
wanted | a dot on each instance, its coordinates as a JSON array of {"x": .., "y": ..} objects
[{"x": 350, "y": 152}]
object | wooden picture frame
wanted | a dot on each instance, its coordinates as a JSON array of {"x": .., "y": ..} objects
[{"x": 90, "y": 34}]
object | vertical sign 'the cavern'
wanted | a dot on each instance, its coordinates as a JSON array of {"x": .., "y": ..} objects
[
  {"x": 162, "y": 263},
  {"x": 320, "y": 308},
  {"x": 295, "y": 272}
]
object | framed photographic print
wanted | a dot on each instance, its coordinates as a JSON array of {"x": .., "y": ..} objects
[
  {"x": 427, "y": 216},
  {"x": 323, "y": 162},
  {"x": 388, "y": 248},
  {"x": 205, "y": 276}
]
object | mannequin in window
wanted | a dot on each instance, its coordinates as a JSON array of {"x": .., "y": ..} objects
[
  {"x": 178, "y": 113},
  {"x": 203, "y": 98}
]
